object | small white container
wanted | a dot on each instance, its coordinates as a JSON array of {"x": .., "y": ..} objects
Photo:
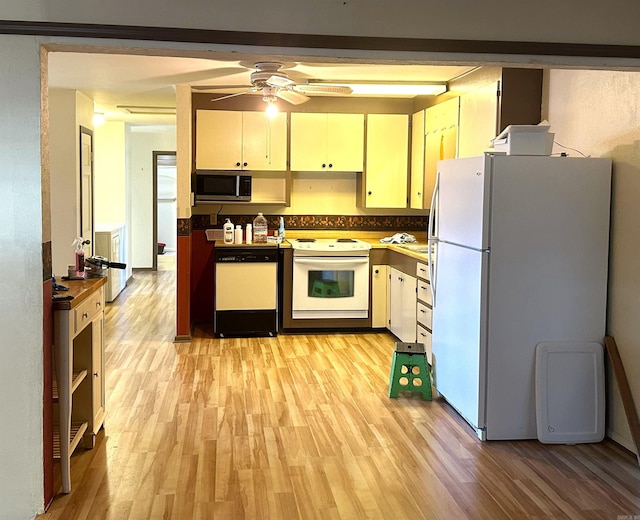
[
  {"x": 238, "y": 235},
  {"x": 249, "y": 233}
]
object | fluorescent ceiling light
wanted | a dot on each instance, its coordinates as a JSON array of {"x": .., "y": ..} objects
[
  {"x": 147, "y": 110},
  {"x": 388, "y": 88}
]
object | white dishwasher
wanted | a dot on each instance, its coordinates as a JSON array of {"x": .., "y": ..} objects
[{"x": 246, "y": 291}]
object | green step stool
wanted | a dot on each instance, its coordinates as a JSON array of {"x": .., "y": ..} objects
[{"x": 410, "y": 370}]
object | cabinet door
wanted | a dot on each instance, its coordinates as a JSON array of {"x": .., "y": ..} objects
[
  {"x": 441, "y": 141},
  {"x": 345, "y": 142},
  {"x": 308, "y": 142},
  {"x": 264, "y": 141},
  {"x": 387, "y": 161},
  {"x": 417, "y": 161},
  {"x": 478, "y": 120},
  {"x": 218, "y": 140},
  {"x": 97, "y": 376},
  {"x": 379, "y": 296},
  {"x": 402, "y": 313}
]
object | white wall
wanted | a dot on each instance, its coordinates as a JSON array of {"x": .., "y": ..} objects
[
  {"x": 68, "y": 110},
  {"x": 141, "y": 143},
  {"x": 598, "y": 113},
  {"x": 109, "y": 172},
  {"x": 21, "y": 474}
]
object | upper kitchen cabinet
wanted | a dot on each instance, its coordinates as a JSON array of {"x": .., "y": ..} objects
[
  {"x": 478, "y": 120},
  {"x": 327, "y": 142},
  {"x": 439, "y": 141},
  {"x": 385, "y": 177},
  {"x": 233, "y": 140},
  {"x": 417, "y": 160}
]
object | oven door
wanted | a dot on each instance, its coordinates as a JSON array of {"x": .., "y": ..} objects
[{"x": 330, "y": 287}]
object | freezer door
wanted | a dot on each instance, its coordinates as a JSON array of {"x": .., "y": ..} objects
[
  {"x": 459, "y": 318},
  {"x": 463, "y": 201}
]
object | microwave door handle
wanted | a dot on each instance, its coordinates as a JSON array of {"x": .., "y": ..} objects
[{"x": 237, "y": 185}]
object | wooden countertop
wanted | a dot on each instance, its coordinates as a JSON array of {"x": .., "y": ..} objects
[{"x": 79, "y": 289}]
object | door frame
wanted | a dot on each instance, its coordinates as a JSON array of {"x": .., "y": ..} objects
[{"x": 156, "y": 154}]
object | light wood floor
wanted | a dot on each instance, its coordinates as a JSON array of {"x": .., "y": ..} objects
[{"x": 300, "y": 427}]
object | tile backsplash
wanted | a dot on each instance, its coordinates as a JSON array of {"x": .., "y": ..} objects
[{"x": 316, "y": 222}]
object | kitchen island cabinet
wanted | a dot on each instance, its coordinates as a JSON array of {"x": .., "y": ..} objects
[
  {"x": 235, "y": 140},
  {"x": 79, "y": 370},
  {"x": 327, "y": 142},
  {"x": 387, "y": 161}
]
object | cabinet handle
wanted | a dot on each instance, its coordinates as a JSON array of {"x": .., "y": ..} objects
[
  {"x": 422, "y": 311},
  {"x": 237, "y": 164},
  {"x": 330, "y": 165},
  {"x": 419, "y": 194},
  {"x": 98, "y": 304},
  {"x": 245, "y": 164},
  {"x": 85, "y": 314},
  {"x": 376, "y": 271},
  {"x": 368, "y": 193},
  {"x": 95, "y": 374},
  {"x": 324, "y": 165}
]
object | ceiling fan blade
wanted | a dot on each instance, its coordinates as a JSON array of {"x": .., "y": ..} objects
[
  {"x": 307, "y": 88},
  {"x": 279, "y": 81},
  {"x": 232, "y": 95},
  {"x": 293, "y": 97},
  {"x": 219, "y": 87}
]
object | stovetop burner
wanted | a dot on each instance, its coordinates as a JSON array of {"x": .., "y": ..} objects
[
  {"x": 305, "y": 239},
  {"x": 345, "y": 240}
]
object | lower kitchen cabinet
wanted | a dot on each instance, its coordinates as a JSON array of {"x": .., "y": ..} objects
[
  {"x": 79, "y": 370},
  {"x": 379, "y": 296},
  {"x": 424, "y": 308},
  {"x": 402, "y": 305}
]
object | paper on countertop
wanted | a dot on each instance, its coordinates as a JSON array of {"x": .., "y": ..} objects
[{"x": 399, "y": 238}]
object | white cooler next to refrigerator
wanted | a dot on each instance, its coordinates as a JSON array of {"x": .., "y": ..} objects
[{"x": 522, "y": 257}]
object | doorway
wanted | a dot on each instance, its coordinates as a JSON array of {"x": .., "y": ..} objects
[{"x": 164, "y": 209}]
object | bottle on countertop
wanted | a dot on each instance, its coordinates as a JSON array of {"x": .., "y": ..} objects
[
  {"x": 249, "y": 233},
  {"x": 237, "y": 237},
  {"x": 228, "y": 232},
  {"x": 79, "y": 242},
  {"x": 281, "y": 229},
  {"x": 260, "y": 229}
]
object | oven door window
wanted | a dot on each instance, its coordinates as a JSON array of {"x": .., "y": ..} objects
[{"x": 330, "y": 284}]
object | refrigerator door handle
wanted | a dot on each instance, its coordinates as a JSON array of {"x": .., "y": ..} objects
[{"x": 432, "y": 239}]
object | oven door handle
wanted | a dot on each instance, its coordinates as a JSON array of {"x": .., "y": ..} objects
[{"x": 331, "y": 260}]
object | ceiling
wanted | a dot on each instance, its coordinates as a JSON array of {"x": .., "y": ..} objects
[{"x": 139, "y": 80}]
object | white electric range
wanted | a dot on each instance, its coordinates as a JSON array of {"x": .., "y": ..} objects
[{"x": 330, "y": 278}]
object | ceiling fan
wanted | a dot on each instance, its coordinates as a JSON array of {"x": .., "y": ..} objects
[{"x": 274, "y": 83}]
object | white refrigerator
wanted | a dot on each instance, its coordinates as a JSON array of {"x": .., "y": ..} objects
[{"x": 521, "y": 257}]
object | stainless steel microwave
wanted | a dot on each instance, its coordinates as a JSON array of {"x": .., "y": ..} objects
[{"x": 217, "y": 186}]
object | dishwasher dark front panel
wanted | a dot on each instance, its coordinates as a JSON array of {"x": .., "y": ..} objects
[{"x": 238, "y": 323}]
